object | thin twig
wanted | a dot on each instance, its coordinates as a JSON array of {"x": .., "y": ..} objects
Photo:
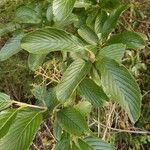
[
  {"x": 146, "y": 22},
  {"x": 42, "y": 145},
  {"x": 47, "y": 128},
  {"x": 47, "y": 77},
  {"x": 98, "y": 118},
  {"x": 145, "y": 93},
  {"x": 122, "y": 130},
  {"x": 35, "y": 146},
  {"x": 108, "y": 122}
]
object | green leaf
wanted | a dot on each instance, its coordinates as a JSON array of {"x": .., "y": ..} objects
[
  {"x": 71, "y": 100},
  {"x": 82, "y": 16},
  {"x": 11, "y": 47},
  {"x": 130, "y": 39},
  {"x": 75, "y": 147},
  {"x": 50, "y": 39},
  {"x": 35, "y": 61},
  {"x": 6, "y": 120},
  {"x": 71, "y": 79},
  {"x": 49, "y": 13},
  {"x": 4, "y": 101},
  {"x": 97, "y": 144},
  {"x": 91, "y": 92},
  {"x": 84, "y": 54},
  {"x": 22, "y": 131},
  {"x": 82, "y": 4},
  {"x": 4, "y": 29},
  {"x": 84, "y": 107},
  {"x": 57, "y": 130},
  {"x": 71, "y": 19},
  {"x": 100, "y": 20},
  {"x": 121, "y": 86},
  {"x": 143, "y": 36},
  {"x": 38, "y": 8},
  {"x": 111, "y": 21},
  {"x": 64, "y": 143},
  {"x": 95, "y": 75},
  {"x": 4, "y": 96},
  {"x": 45, "y": 97},
  {"x": 40, "y": 93},
  {"x": 84, "y": 146},
  {"x": 4, "y": 104},
  {"x": 62, "y": 9},
  {"x": 27, "y": 15},
  {"x": 114, "y": 51},
  {"x": 109, "y": 4},
  {"x": 90, "y": 21},
  {"x": 88, "y": 35},
  {"x": 72, "y": 121}
]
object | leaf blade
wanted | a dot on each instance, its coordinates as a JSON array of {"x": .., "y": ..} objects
[
  {"x": 50, "y": 39},
  {"x": 4, "y": 101},
  {"x": 27, "y": 15},
  {"x": 6, "y": 119},
  {"x": 35, "y": 61},
  {"x": 88, "y": 35},
  {"x": 72, "y": 121},
  {"x": 100, "y": 20},
  {"x": 131, "y": 39},
  {"x": 46, "y": 97},
  {"x": 62, "y": 9},
  {"x": 64, "y": 143},
  {"x": 110, "y": 4},
  {"x": 121, "y": 86},
  {"x": 49, "y": 13},
  {"x": 111, "y": 21},
  {"x": 84, "y": 108},
  {"x": 24, "y": 128},
  {"x": 97, "y": 144},
  {"x": 71, "y": 79},
  {"x": 93, "y": 93},
  {"x": 4, "y": 29},
  {"x": 11, "y": 47},
  {"x": 113, "y": 51},
  {"x": 57, "y": 130}
]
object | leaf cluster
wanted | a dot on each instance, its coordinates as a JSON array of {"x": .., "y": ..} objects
[{"x": 83, "y": 32}]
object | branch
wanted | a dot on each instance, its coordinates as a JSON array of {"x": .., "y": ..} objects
[
  {"x": 28, "y": 105},
  {"x": 120, "y": 130}
]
